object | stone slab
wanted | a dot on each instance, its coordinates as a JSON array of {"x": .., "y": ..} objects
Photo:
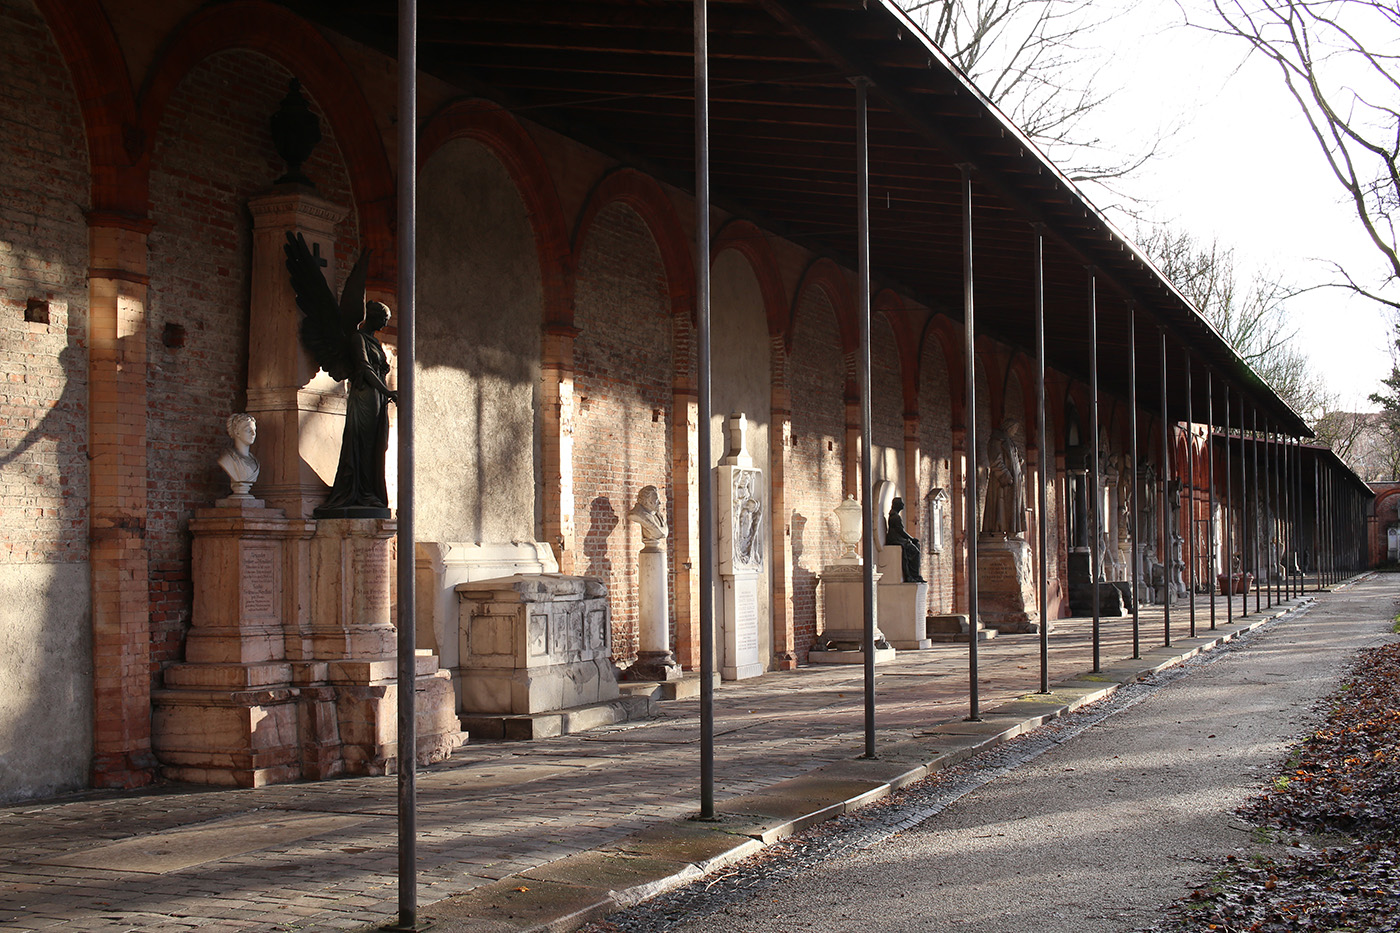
[
  {"x": 849, "y": 657},
  {"x": 527, "y": 726},
  {"x": 177, "y": 849}
]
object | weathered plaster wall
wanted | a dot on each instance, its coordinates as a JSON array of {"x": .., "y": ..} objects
[
  {"x": 815, "y": 477},
  {"x": 622, "y": 389},
  {"x": 214, "y": 152},
  {"x": 741, "y": 383},
  {"x": 479, "y": 319},
  {"x": 45, "y": 609}
]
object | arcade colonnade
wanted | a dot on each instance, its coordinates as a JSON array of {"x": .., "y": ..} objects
[{"x": 558, "y": 355}]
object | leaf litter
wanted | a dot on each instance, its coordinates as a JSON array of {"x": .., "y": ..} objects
[{"x": 1336, "y": 800}]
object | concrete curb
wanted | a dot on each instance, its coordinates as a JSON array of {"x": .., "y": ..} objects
[{"x": 570, "y": 892}]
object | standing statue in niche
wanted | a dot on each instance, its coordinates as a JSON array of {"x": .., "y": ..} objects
[
  {"x": 649, "y": 515},
  {"x": 238, "y": 461},
  {"x": 1005, "y": 513},
  {"x": 748, "y": 520},
  {"x": 340, "y": 338},
  {"x": 896, "y": 535}
]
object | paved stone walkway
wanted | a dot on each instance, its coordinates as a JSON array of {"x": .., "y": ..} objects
[{"x": 322, "y": 856}]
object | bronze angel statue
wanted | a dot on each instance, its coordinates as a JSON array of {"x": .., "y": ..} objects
[{"x": 339, "y": 336}]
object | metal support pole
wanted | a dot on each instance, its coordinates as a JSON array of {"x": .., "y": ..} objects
[
  {"x": 1190, "y": 495},
  {"x": 1095, "y": 481},
  {"x": 1271, "y": 477},
  {"x": 1229, "y": 561},
  {"x": 704, "y": 456},
  {"x": 867, "y": 507},
  {"x": 405, "y": 571},
  {"x": 1317, "y": 523},
  {"x": 970, "y": 416},
  {"x": 1243, "y": 514},
  {"x": 1133, "y": 456},
  {"x": 1043, "y": 468},
  {"x": 1258, "y": 504},
  {"x": 1166, "y": 504},
  {"x": 1212, "y": 532}
]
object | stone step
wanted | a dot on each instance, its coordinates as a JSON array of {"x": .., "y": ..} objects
[
  {"x": 514, "y": 727},
  {"x": 683, "y": 689}
]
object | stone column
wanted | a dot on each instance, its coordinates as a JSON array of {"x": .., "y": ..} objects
[
  {"x": 780, "y": 538},
  {"x": 121, "y": 638},
  {"x": 557, "y": 442},
  {"x": 300, "y": 411},
  {"x": 957, "y": 466}
]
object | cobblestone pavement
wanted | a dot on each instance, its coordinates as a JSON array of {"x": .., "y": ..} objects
[{"x": 322, "y": 856}]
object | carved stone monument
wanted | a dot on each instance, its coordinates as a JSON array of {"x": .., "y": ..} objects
[
  {"x": 289, "y": 669},
  {"x": 655, "y": 662},
  {"x": 842, "y": 637},
  {"x": 1006, "y": 597},
  {"x": 536, "y": 654},
  {"x": 740, "y": 530},
  {"x": 902, "y": 593}
]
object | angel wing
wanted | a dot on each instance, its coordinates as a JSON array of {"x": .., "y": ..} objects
[{"x": 327, "y": 327}]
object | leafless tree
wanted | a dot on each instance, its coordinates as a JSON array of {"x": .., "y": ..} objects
[
  {"x": 1251, "y": 316},
  {"x": 1340, "y": 61},
  {"x": 1032, "y": 59}
]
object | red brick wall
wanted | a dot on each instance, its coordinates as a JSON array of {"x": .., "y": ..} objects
[
  {"x": 43, "y": 257},
  {"x": 622, "y": 390},
  {"x": 814, "y": 478},
  {"x": 212, "y": 154},
  {"x": 936, "y": 449}
]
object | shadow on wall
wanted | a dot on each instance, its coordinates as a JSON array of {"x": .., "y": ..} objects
[
  {"x": 804, "y": 589},
  {"x": 45, "y": 606},
  {"x": 602, "y": 520}
]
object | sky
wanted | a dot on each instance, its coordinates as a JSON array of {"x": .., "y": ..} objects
[{"x": 1241, "y": 165}]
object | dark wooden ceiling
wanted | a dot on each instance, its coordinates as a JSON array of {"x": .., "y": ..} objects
[{"x": 617, "y": 76}]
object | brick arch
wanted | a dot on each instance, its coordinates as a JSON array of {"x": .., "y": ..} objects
[
  {"x": 488, "y": 124},
  {"x": 258, "y": 26},
  {"x": 1020, "y": 364},
  {"x": 828, "y": 276},
  {"x": 1385, "y": 500},
  {"x": 940, "y": 330},
  {"x": 906, "y": 341},
  {"x": 645, "y": 195},
  {"x": 105, "y": 98},
  {"x": 752, "y": 243}
]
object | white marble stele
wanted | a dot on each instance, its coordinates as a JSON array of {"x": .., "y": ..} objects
[
  {"x": 740, "y": 540},
  {"x": 535, "y": 643}
]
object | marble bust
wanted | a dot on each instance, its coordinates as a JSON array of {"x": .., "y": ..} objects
[
  {"x": 650, "y": 515},
  {"x": 238, "y": 461}
]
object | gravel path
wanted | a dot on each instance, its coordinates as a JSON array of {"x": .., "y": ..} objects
[{"x": 1090, "y": 824}]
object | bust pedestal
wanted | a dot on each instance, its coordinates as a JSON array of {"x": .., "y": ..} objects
[{"x": 290, "y": 667}]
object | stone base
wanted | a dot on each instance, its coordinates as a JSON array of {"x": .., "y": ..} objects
[
  {"x": 653, "y": 666},
  {"x": 901, "y": 609},
  {"x": 250, "y": 737},
  {"x": 558, "y": 722},
  {"x": 1006, "y": 598},
  {"x": 1115, "y": 599},
  {"x": 853, "y": 656},
  {"x": 952, "y": 628}
]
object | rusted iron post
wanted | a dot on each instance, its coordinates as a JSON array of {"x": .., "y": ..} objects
[
  {"x": 970, "y": 417},
  {"x": 704, "y": 455},
  {"x": 1190, "y": 497},
  {"x": 1096, "y": 512},
  {"x": 867, "y": 507},
  {"x": 1133, "y": 480},
  {"x": 1166, "y": 555},
  {"x": 1042, "y": 467}
]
